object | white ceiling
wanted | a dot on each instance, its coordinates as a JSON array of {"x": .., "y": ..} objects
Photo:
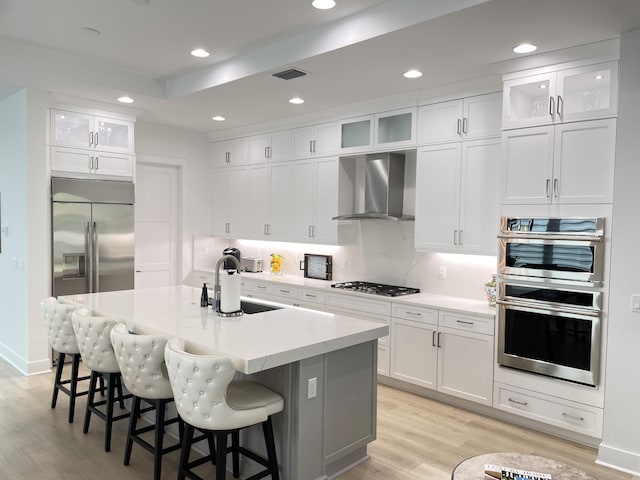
[{"x": 354, "y": 52}]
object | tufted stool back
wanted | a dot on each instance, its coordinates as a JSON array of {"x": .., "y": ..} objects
[
  {"x": 141, "y": 361},
  {"x": 199, "y": 385},
  {"x": 94, "y": 341},
  {"x": 57, "y": 319}
]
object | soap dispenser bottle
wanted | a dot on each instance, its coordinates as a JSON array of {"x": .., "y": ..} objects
[{"x": 204, "y": 297}]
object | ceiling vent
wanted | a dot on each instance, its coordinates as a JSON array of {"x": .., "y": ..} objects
[{"x": 290, "y": 74}]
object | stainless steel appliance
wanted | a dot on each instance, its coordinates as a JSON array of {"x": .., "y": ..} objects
[
  {"x": 376, "y": 288},
  {"x": 550, "y": 296},
  {"x": 252, "y": 264},
  {"x": 92, "y": 236},
  {"x": 561, "y": 248}
]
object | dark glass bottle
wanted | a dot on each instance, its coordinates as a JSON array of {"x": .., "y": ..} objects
[{"x": 204, "y": 297}]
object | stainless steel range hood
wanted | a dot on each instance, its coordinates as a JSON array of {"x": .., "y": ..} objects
[{"x": 383, "y": 189}]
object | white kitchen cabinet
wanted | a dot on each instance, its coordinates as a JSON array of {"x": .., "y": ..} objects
[
  {"x": 427, "y": 351},
  {"x": 270, "y": 211},
  {"x": 89, "y": 131},
  {"x": 91, "y": 163},
  {"x": 380, "y": 131},
  {"x": 315, "y": 200},
  {"x": 368, "y": 309},
  {"x": 229, "y": 191},
  {"x": 456, "y": 197},
  {"x": 566, "y": 95},
  {"x": 270, "y": 147},
  {"x": 468, "y": 118},
  {"x": 230, "y": 153},
  {"x": 316, "y": 140},
  {"x": 564, "y": 164}
]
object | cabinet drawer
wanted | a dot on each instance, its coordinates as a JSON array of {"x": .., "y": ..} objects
[
  {"x": 561, "y": 413},
  {"x": 418, "y": 314},
  {"x": 286, "y": 291},
  {"x": 472, "y": 323},
  {"x": 312, "y": 296},
  {"x": 359, "y": 304},
  {"x": 263, "y": 288}
]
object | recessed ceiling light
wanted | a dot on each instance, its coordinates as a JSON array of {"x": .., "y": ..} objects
[
  {"x": 412, "y": 74},
  {"x": 525, "y": 48},
  {"x": 323, "y": 4},
  {"x": 218, "y": 118},
  {"x": 599, "y": 77},
  {"x": 296, "y": 100},
  {"x": 141, "y": 2},
  {"x": 542, "y": 85},
  {"x": 125, "y": 99},
  {"x": 200, "y": 53}
]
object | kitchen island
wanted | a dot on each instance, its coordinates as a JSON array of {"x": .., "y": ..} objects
[{"x": 327, "y": 422}]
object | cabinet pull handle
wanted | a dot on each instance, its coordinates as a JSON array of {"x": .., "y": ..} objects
[
  {"x": 464, "y": 125},
  {"x": 310, "y": 296},
  {"x": 266, "y": 152},
  {"x": 314, "y": 146},
  {"x": 547, "y": 187},
  {"x": 261, "y": 287},
  {"x": 264, "y": 229},
  {"x": 439, "y": 339},
  {"x": 416, "y": 314},
  {"x": 97, "y": 162},
  {"x": 90, "y": 163},
  {"x": 459, "y": 128},
  {"x": 284, "y": 291},
  {"x": 560, "y": 105},
  {"x": 310, "y": 146},
  {"x": 460, "y": 238},
  {"x": 433, "y": 338},
  {"x": 97, "y": 139},
  {"x": 464, "y": 322},
  {"x": 551, "y": 106},
  {"x": 227, "y": 157},
  {"x": 519, "y": 402},
  {"x": 573, "y": 417},
  {"x": 555, "y": 187},
  {"x": 90, "y": 138},
  {"x": 455, "y": 237}
]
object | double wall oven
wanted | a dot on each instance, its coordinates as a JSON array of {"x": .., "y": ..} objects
[{"x": 550, "y": 296}]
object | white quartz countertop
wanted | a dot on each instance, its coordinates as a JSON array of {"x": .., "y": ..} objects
[
  {"x": 464, "y": 305},
  {"x": 255, "y": 342}
]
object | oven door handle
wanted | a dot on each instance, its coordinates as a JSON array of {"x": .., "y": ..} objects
[
  {"x": 542, "y": 236},
  {"x": 536, "y": 307}
]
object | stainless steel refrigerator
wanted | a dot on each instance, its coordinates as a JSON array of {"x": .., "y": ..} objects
[{"x": 92, "y": 236}]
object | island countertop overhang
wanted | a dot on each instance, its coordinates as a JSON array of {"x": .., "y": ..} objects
[{"x": 255, "y": 342}]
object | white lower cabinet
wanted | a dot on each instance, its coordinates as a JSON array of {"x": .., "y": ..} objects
[
  {"x": 368, "y": 309},
  {"x": 427, "y": 351},
  {"x": 577, "y": 417}
]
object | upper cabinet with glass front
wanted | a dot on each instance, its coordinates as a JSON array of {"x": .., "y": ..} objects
[
  {"x": 82, "y": 130},
  {"x": 566, "y": 95},
  {"x": 382, "y": 131}
]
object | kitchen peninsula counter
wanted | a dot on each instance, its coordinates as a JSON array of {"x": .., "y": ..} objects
[{"x": 318, "y": 433}]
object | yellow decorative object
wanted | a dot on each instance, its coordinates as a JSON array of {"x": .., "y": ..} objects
[{"x": 276, "y": 263}]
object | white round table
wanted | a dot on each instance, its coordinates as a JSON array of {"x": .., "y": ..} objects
[{"x": 473, "y": 468}]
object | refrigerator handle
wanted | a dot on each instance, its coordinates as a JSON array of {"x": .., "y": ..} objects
[
  {"x": 90, "y": 256},
  {"x": 96, "y": 256}
]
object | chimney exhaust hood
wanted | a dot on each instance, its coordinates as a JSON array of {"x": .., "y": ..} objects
[{"x": 383, "y": 188}]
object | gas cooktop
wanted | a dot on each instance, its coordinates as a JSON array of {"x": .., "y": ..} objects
[{"x": 376, "y": 288}]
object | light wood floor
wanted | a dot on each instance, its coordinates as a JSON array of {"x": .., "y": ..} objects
[{"x": 417, "y": 439}]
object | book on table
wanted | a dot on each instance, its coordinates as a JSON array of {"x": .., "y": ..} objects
[{"x": 497, "y": 472}]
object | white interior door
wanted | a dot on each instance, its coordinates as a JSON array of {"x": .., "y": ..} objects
[{"x": 156, "y": 225}]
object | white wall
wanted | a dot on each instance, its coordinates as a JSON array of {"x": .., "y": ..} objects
[
  {"x": 24, "y": 261},
  {"x": 190, "y": 151},
  {"x": 621, "y": 443}
]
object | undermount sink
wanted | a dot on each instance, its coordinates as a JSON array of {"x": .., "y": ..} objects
[{"x": 252, "y": 307}]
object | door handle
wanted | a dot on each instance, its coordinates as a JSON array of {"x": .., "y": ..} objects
[
  {"x": 89, "y": 248},
  {"x": 96, "y": 254},
  {"x": 560, "y": 106}
]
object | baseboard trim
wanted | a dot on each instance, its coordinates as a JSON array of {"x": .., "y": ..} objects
[
  {"x": 617, "y": 459},
  {"x": 23, "y": 366}
]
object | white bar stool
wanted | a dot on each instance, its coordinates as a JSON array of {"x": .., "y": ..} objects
[
  {"x": 208, "y": 399},
  {"x": 94, "y": 341},
  {"x": 141, "y": 361},
  {"x": 62, "y": 339}
]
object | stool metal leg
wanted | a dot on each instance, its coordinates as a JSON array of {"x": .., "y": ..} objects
[
  {"x": 133, "y": 420},
  {"x": 267, "y": 428},
  {"x": 186, "y": 450},
  {"x": 90, "y": 401},
  {"x": 75, "y": 365},
  {"x": 111, "y": 385},
  {"x": 159, "y": 432},
  {"x": 235, "y": 452},
  {"x": 221, "y": 454}
]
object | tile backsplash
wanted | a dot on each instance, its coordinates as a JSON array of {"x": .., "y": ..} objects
[{"x": 382, "y": 251}]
